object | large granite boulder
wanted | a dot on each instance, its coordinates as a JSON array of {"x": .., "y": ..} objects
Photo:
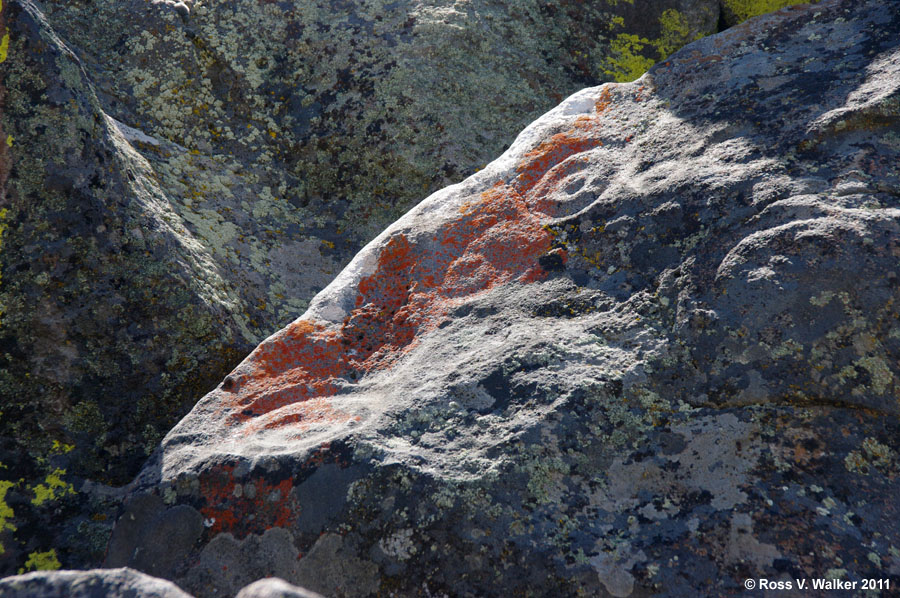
[
  {"x": 177, "y": 180},
  {"x": 653, "y": 349}
]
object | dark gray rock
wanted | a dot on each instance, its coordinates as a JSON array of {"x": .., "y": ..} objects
[
  {"x": 164, "y": 536},
  {"x": 653, "y": 349},
  {"x": 113, "y": 314}
]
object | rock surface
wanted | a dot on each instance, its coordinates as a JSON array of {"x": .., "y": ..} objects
[
  {"x": 180, "y": 178},
  {"x": 112, "y": 313},
  {"x": 98, "y": 583},
  {"x": 125, "y": 583},
  {"x": 272, "y": 587},
  {"x": 653, "y": 349},
  {"x": 142, "y": 260}
]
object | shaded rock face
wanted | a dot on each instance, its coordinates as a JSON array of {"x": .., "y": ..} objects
[
  {"x": 653, "y": 349},
  {"x": 179, "y": 179},
  {"x": 84, "y": 219},
  {"x": 113, "y": 314}
]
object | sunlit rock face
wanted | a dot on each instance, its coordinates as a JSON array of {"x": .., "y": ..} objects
[{"x": 650, "y": 350}]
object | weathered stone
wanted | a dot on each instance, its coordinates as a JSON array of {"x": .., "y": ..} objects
[
  {"x": 126, "y": 583},
  {"x": 113, "y": 314},
  {"x": 653, "y": 349},
  {"x": 185, "y": 175},
  {"x": 98, "y": 583},
  {"x": 272, "y": 587}
]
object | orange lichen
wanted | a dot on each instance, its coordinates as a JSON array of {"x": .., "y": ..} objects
[
  {"x": 407, "y": 295},
  {"x": 494, "y": 240},
  {"x": 604, "y": 101},
  {"x": 554, "y": 152},
  {"x": 248, "y": 506},
  {"x": 288, "y": 381}
]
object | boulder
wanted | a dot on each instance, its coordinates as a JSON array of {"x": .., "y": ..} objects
[
  {"x": 114, "y": 315},
  {"x": 178, "y": 180},
  {"x": 652, "y": 349},
  {"x": 125, "y": 583},
  {"x": 267, "y": 142},
  {"x": 97, "y": 583},
  {"x": 272, "y": 587}
]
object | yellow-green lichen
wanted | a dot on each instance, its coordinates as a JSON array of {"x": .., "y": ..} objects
[
  {"x": 6, "y": 512},
  {"x": 53, "y": 488},
  {"x": 60, "y": 448},
  {"x": 676, "y": 32},
  {"x": 628, "y": 58},
  {"x": 4, "y": 47},
  {"x": 41, "y": 561},
  {"x": 626, "y": 63},
  {"x": 879, "y": 373},
  {"x": 738, "y": 11},
  {"x": 544, "y": 475},
  {"x": 872, "y": 454}
]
